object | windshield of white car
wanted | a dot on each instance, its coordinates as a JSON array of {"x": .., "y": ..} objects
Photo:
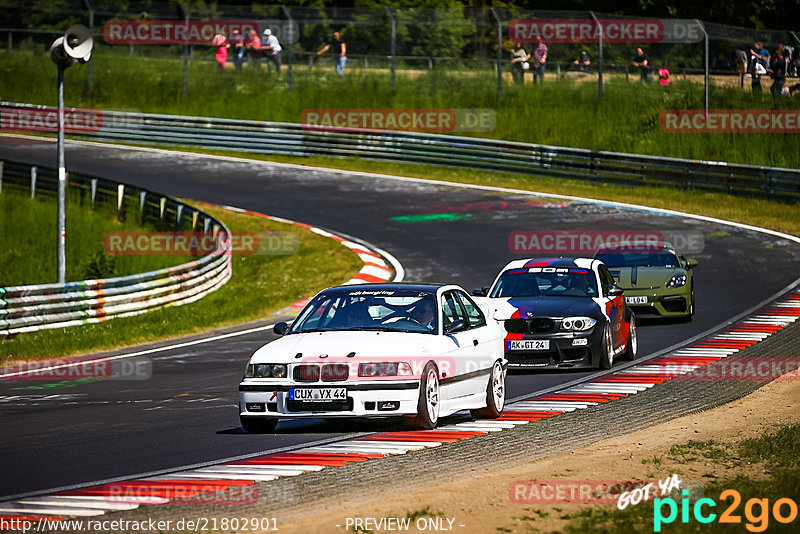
[
  {"x": 546, "y": 282},
  {"x": 366, "y": 310},
  {"x": 656, "y": 258}
]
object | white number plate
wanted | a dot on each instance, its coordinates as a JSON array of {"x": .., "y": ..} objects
[
  {"x": 529, "y": 344},
  {"x": 636, "y": 300},
  {"x": 318, "y": 395}
]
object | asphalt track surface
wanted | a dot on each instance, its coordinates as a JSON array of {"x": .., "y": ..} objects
[{"x": 186, "y": 412}]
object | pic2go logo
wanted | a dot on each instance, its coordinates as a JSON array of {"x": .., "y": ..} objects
[{"x": 756, "y": 511}]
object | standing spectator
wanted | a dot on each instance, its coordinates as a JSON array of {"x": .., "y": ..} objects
[
  {"x": 743, "y": 53},
  {"x": 779, "y": 74},
  {"x": 539, "y": 60},
  {"x": 663, "y": 74},
  {"x": 582, "y": 63},
  {"x": 253, "y": 46},
  {"x": 272, "y": 50},
  {"x": 338, "y": 47},
  {"x": 756, "y": 72},
  {"x": 222, "y": 49},
  {"x": 519, "y": 63},
  {"x": 237, "y": 43},
  {"x": 642, "y": 62},
  {"x": 761, "y": 55}
]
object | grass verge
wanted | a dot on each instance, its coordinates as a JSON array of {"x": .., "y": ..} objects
[
  {"x": 775, "y": 454},
  {"x": 28, "y": 239},
  {"x": 562, "y": 113},
  {"x": 260, "y": 284}
]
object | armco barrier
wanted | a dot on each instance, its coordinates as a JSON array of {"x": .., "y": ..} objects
[
  {"x": 432, "y": 149},
  {"x": 39, "y": 307}
]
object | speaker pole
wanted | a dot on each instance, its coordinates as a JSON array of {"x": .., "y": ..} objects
[{"x": 62, "y": 182}]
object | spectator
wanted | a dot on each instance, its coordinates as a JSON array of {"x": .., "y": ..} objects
[
  {"x": 756, "y": 72},
  {"x": 222, "y": 49},
  {"x": 271, "y": 49},
  {"x": 642, "y": 62},
  {"x": 253, "y": 46},
  {"x": 338, "y": 47},
  {"x": 761, "y": 55},
  {"x": 582, "y": 63},
  {"x": 663, "y": 74},
  {"x": 743, "y": 53},
  {"x": 237, "y": 43},
  {"x": 519, "y": 63},
  {"x": 539, "y": 60},
  {"x": 779, "y": 74}
]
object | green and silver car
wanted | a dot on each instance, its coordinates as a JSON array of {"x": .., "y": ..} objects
[{"x": 657, "y": 281}]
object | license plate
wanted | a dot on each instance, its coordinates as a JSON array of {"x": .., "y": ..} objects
[
  {"x": 636, "y": 300},
  {"x": 529, "y": 344},
  {"x": 317, "y": 394}
]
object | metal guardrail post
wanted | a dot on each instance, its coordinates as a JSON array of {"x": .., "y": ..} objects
[
  {"x": 93, "y": 190},
  {"x": 33, "y": 181},
  {"x": 162, "y": 205},
  {"x": 394, "y": 41},
  {"x": 499, "y": 53},
  {"x": 142, "y": 203},
  {"x": 62, "y": 184},
  {"x": 120, "y": 200},
  {"x": 91, "y": 30},
  {"x": 1, "y": 176},
  {"x": 600, "y": 58},
  {"x": 179, "y": 217},
  {"x": 185, "y": 47},
  {"x": 10, "y": 41},
  {"x": 705, "y": 63},
  {"x": 291, "y": 46}
]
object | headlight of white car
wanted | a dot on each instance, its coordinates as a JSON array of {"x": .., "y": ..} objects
[
  {"x": 577, "y": 324},
  {"x": 265, "y": 370},
  {"x": 679, "y": 280},
  {"x": 385, "y": 369}
]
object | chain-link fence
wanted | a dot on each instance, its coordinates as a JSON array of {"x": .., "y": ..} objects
[{"x": 400, "y": 42}]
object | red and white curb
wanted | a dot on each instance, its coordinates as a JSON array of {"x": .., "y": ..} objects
[
  {"x": 375, "y": 269},
  {"x": 192, "y": 483}
]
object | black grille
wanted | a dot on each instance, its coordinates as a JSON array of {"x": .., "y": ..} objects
[
  {"x": 306, "y": 373},
  {"x": 328, "y": 406},
  {"x": 537, "y": 325},
  {"x": 528, "y": 358},
  {"x": 574, "y": 354},
  {"x": 335, "y": 372},
  {"x": 674, "y": 304}
]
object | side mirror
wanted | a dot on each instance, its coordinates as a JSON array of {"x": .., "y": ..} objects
[
  {"x": 458, "y": 325},
  {"x": 480, "y": 291},
  {"x": 691, "y": 263},
  {"x": 281, "y": 328},
  {"x": 615, "y": 291}
]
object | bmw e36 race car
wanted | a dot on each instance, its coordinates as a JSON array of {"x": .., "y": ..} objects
[{"x": 561, "y": 313}]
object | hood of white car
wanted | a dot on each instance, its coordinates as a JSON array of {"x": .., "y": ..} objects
[{"x": 339, "y": 344}]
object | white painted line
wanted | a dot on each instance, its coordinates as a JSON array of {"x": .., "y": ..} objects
[
  {"x": 401, "y": 444},
  {"x": 192, "y": 475},
  {"x": 323, "y": 448},
  {"x": 45, "y": 510},
  {"x": 548, "y": 406},
  {"x": 246, "y": 470},
  {"x": 278, "y": 467},
  {"x": 55, "y": 500},
  {"x": 353, "y": 446},
  {"x": 473, "y": 427}
]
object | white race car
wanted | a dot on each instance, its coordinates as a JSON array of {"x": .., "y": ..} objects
[{"x": 378, "y": 350}]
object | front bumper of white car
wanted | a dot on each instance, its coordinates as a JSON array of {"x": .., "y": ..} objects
[{"x": 375, "y": 398}]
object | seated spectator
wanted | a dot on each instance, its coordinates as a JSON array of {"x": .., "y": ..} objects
[{"x": 582, "y": 63}]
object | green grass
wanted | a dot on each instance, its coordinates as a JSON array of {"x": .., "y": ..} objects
[
  {"x": 28, "y": 239},
  {"x": 565, "y": 113},
  {"x": 779, "y": 450},
  {"x": 260, "y": 284}
]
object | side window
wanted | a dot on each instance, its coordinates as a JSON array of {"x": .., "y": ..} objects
[
  {"x": 452, "y": 310},
  {"x": 606, "y": 280},
  {"x": 474, "y": 314}
]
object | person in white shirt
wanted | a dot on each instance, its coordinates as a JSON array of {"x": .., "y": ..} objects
[{"x": 271, "y": 49}]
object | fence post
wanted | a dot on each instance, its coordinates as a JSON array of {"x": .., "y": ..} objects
[
  {"x": 499, "y": 53},
  {"x": 705, "y": 63},
  {"x": 600, "y": 58},
  {"x": 291, "y": 45},
  {"x": 33, "y": 181},
  {"x": 394, "y": 39},
  {"x": 185, "y": 47},
  {"x": 91, "y": 30}
]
